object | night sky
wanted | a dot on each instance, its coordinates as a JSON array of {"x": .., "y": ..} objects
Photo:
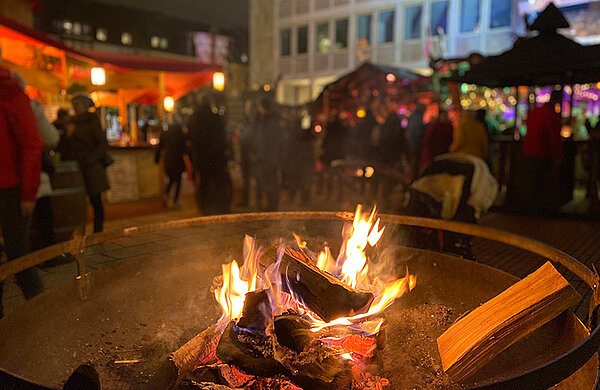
[{"x": 221, "y": 12}]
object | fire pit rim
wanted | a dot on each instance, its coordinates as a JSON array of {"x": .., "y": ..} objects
[{"x": 540, "y": 378}]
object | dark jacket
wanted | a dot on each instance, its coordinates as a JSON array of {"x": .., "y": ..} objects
[
  {"x": 89, "y": 145},
  {"x": 173, "y": 143},
  {"x": 392, "y": 142},
  {"x": 207, "y": 133},
  {"x": 20, "y": 143},
  {"x": 333, "y": 142},
  {"x": 270, "y": 142}
]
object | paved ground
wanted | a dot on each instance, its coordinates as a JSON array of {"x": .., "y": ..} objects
[{"x": 578, "y": 238}]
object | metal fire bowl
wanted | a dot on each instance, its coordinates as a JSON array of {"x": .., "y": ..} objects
[{"x": 127, "y": 318}]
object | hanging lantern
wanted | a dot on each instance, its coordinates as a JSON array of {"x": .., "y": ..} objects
[
  {"x": 219, "y": 81},
  {"x": 98, "y": 76},
  {"x": 168, "y": 103}
]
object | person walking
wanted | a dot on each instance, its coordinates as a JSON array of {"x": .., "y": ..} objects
[
  {"x": 207, "y": 134},
  {"x": 438, "y": 139},
  {"x": 90, "y": 148},
  {"x": 470, "y": 137},
  {"x": 173, "y": 143},
  {"x": 20, "y": 161}
]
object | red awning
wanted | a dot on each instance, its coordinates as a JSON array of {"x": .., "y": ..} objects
[
  {"x": 37, "y": 36},
  {"x": 138, "y": 62}
]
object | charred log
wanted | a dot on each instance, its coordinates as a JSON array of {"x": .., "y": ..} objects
[
  {"x": 319, "y": 291},
  {"x": 222, "y": 374},
  {"x": 257, "y": 314},
  {"x": 250, "y": 352},
  {"x": 317, "y": 367},
  {"x": 199, "y": 350},
  {"x": 293, "y": 331}
]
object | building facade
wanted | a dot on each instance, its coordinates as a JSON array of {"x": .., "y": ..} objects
[{"x": 312, "y": 42}]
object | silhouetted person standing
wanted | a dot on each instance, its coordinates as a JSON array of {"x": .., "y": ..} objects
[
  {"x": 416, "y": 133},
  {"x": 207, "y": 133},
  {"x": 269, "y": 154},
  {"x": 543, "y": 150},
  {"x": 90, "y": 148},
  {"x": 173, "y": 143},
  {"x": 438, "y": 139}
]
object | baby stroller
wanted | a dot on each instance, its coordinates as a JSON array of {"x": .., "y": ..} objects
[{"x": 457, "y": 187}]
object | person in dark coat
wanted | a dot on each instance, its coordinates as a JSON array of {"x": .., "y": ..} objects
[
  {"x": 207, "y": 133},
  {"x": 248, "y": 149},
  {"x": 63, "y": 119},
  {"x": 173, "y": 143},
  {"x": 90, "y": 148},
  {"x": 270, "y": 144},
  {"x": 299, "y": 165},
  {"x": 416, "y": 133}
]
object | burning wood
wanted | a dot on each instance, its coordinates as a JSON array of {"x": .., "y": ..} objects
[
  {"x": 500, "y": 322},
  {"x": 327, "y": 296},
  {"x": 293, "y": 331},
  {"x": 278, "y": 323}
]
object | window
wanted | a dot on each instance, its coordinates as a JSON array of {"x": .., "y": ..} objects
[
  {"x": 469, "y": 16},
  {"x": 285, "y": 37},
  {"x": 126, "y": 38},
  {"x": 303, "y": 40},
  {"x": 385, "y": 31},
  {"x": 67, "y": 26},
  {"x": 500, "y": 16},
  {"x": 341, "y": 34},
  {"x": 77, "y": 28},
  {"x": 439, "y": 18},
  {"x": 412, "y": 26},
  {"x": 164, "y": 43},
  {"x": 155, "y": 42},
  {"x": 364, "y": 29},
  {"x": 323, "y": 40},
  {"x": 101, "y": 34}
]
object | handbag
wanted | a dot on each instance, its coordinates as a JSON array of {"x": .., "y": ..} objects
[{"x": 107, "y": 160}]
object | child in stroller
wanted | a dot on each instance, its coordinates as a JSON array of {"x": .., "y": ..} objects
[{"x": 455, "y": 186}]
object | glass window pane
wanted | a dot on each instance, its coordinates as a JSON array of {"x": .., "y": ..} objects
[
  {"x": 385, "y": 30},
  {"x": 439, "y": 18},
  {"x": 302, "y": 40},
  {"x": 323, "y": 40},
  {"x": 341, "y": 33},
  {"x": 364, "y": 29},
  {"x": 501, "y": 10},
  {"x": 412, "y": 26},
  {"x": 469, "y": 16},
  {"x": 285, "y": 37}
]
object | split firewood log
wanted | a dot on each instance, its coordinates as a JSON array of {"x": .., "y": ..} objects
[{"x": 321, "y": 292}]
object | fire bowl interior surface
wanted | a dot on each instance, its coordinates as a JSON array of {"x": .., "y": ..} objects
[{"x": 127, "y": 318}]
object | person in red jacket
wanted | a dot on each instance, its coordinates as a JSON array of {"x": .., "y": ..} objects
[
  {"x": 543, "y": 150},
  {"x": 438, "y": 138},
  {"x": 20, "y": 161}
]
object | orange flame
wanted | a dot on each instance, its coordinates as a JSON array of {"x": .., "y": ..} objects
[
  {"x": 350, "y": 267},
  {"x": 237, "y": 282}
]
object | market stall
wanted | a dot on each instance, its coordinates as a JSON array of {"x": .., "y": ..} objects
[{"x": 545, "y": 59}]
